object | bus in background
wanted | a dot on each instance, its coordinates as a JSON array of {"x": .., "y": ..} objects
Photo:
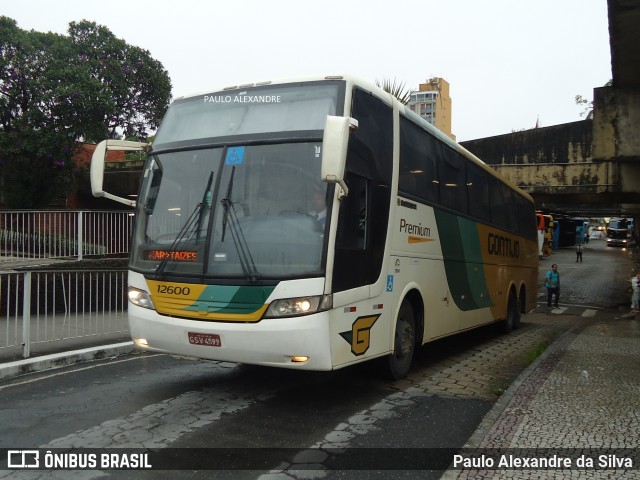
[
  {"x": 548, "y": 235},
  {"x": 581, "y": 229},
  {"x": 314, "y": 224},
  {"x": 540, "y": 221},
  {"x": 618, "y": 233}
]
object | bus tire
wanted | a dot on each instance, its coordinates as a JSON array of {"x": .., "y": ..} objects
[
  {"x": 513, "y": 313},
  {"x": 397, "y": 364},
  {"x": 522, "y": 298}
]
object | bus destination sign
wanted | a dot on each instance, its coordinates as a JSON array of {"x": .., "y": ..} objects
[{"x": 178, "y": 255}]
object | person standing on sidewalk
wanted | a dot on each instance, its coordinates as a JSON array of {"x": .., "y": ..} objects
[
  {"x": 635, "y": 293},
  {"x": 553, "y": 285},
  {"x": 579, "y": 252}
]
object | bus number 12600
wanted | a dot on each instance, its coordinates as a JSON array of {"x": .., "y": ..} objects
[{"x": 171, "y": 290}]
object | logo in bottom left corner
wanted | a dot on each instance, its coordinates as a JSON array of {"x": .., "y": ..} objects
[{"x": 23, "y": 459}]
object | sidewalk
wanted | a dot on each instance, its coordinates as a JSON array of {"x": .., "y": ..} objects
[
  {"x": 581, "y": 396},
  {"x": 582, "y": 393}
]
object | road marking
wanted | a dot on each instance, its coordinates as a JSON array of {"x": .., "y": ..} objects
[
  {"x": 588, "y": 313},
  {"x": 158, "y": 425},
  {"x": 74, "y": 370}
]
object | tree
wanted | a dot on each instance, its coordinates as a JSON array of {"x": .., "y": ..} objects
[
  {"x": 137, "y": 86},
  {"x": 396, "y": 89},
  {"x": 57, "y": 90},
  {"x": 588, "y": 105}
]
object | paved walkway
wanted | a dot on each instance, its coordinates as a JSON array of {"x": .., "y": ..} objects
[{"x": 579, "y": 400}]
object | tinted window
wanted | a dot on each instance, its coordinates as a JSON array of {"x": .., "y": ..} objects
[
  {"x": 418, "y": 172},
  {"x": 352, "y": 230},
  {"x": 364, "y": 214},
  {"x": 274, "y": 108},
  {"x": 453, "y": 179},
  {"x": 374, "y": 135},
  {"x": 478, "y": 191},
  {"x": 497, "y": 202}
]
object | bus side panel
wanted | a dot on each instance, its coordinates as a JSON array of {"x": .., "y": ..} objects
[
  {"x": 464, "y": 261},
  {"x": 417, "y": 257},
  {"x": 510, "y": 260},
  {"x": 464, "y": 269},
  {"x": 359, "y": 329}
]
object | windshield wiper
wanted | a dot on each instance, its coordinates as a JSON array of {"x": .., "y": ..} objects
[
  {"x": 206, "y": 202},
  {"x": 191, "y": 226},
  {"x": 230, "y": 218}
]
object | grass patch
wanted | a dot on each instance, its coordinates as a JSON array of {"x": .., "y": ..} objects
[
  {"x": 498, "y": 389},
  {"x": 536, "y": 351}
]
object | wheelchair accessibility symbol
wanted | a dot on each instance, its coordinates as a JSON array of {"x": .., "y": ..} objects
[
  {"x": 235, "y": 156},
  {"x": 389, "y": 283}
]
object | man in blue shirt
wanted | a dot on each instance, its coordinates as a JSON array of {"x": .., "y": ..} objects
[{"x": 553, "y": 285}]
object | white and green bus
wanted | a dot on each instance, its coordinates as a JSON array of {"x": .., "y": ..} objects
[{"x": 314, "y": 224}]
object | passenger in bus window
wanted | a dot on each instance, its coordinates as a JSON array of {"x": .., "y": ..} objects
[{"x": 319, "y": 207}]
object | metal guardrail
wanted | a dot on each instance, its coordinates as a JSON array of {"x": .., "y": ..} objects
[
  {"x": 49, "y": 306},
  {"x": 64, "y": 233}
]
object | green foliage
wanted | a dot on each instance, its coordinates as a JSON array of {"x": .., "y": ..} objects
[
  {"x": 57, "y": 90},
  {"x": 586, "y": 104},
  {"x": 396, "y": 89},
  {"x": 538, "y": 350}
]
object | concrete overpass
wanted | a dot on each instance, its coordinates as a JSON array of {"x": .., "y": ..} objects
[{"x": 590, "y": 167}]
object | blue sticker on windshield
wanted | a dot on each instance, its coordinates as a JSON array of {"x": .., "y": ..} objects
[{"x": 235, "y": 156}]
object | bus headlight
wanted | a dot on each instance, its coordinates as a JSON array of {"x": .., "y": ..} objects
[
  {"x": 293, "y": 307},
  {"x": 140, "y": 298}
]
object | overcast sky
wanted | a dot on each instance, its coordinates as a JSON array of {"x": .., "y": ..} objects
[{"x": 509, "y": 62}]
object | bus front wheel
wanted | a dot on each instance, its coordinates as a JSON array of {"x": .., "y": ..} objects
[{"x": 397, "y": 364}]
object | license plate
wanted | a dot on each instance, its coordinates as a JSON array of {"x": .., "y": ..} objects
[{"x": 206, "y": 339}]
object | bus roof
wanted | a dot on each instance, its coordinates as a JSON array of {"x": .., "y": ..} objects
[{"x": 387, "y": 98}]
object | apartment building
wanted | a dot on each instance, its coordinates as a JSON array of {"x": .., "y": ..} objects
[{"x": 432, "y": 102}]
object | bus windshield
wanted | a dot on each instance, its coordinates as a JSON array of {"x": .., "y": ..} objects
[
  {"x": 617, "y": 234},
  {"x": 258, "y": 110},
  {"x": 252, "y": 212}
]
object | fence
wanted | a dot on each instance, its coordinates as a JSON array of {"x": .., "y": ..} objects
[
  {"x": 64, "y": 233},
  {"x": 37, "y": 307}
]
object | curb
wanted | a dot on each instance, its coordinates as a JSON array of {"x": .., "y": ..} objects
[
  {"x": 547, "y": 360},
  {"x": 532, "y": 377},
  {"x": 57, "y": 360}
]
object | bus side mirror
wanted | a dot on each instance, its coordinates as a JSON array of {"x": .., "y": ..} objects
[
  {"x": 334, "y": 150},
  {"x": 96, "y": 171}
]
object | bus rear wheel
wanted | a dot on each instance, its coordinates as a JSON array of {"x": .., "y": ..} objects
[
  {"x": 397, "y": 364},
  {"x": 513, "y": 313}
]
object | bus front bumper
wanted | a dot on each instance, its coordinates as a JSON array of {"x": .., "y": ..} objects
[{"x": 297, "y": 342}]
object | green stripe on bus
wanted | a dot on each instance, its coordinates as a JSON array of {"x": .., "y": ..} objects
[
  {"x": 463, "y": 261},
  {"x": 231, "y": 299}
]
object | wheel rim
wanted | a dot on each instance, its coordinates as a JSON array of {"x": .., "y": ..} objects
[{"x": 405, "y": 340}]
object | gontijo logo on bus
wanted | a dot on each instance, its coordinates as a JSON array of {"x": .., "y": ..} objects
[
  {"x": 503, "y": 246},
  {"x": 417, "y": 233},
  {"x": 359, "y": 337}
]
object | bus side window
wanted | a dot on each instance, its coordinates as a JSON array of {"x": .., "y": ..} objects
[
  {"x": 453, "y": 192},
  {"x": 353, "y": 222}
]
